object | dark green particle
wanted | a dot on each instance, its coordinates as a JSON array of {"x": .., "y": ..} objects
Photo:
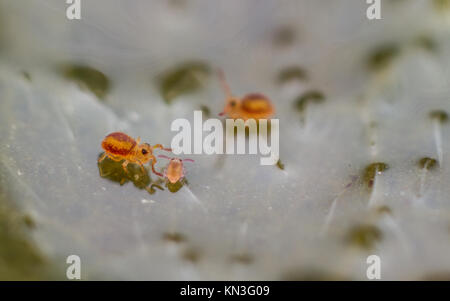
[
  {"x": 206, "y": 111},
  {"x": 174, "y": 187},
  {"x": 426, "y": 43},
  {"x": 280, "y": 165},
  {"x": 310, "y": 274},
  {"x": 312, "y": 96},
  {"x": 187, "y": 78},
  {"x": 192, "y": 255},
  {"x": 364, "y": 236},
  {"x": 371, "y": 171},
  {"x": 384, "y": 210},
  {"x": 89, "y": 78},
  {"x": 382, "y": 56},
  {"x": 242, "y": 258},
  {"x": 441, "y": 5},
  {"x": 179, "y": 4},
  {"x": 427, "y": 163},
  {"x": 235, "y": 129},
  {"x": 29, "y": 222},
  {"x": 151, "y": 188},
  {"x": 292, "y": 73},
  {"x": 26, "y": 75},
  {"x": 436, "y": 276},
  {"x": 174, "y": 237},
  {"x": 284, "y": 36},
  {"x": 113, "y": 170},
  {"x": 20, "y": 259},
  {"x": 439, "y": 115}
]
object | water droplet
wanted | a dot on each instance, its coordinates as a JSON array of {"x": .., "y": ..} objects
[{"x": 145, "y": 201}]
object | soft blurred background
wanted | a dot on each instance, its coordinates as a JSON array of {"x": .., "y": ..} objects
[{"x": 364, "y": 140}]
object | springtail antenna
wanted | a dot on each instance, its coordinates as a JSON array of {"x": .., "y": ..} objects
[
  {"x": 223, "y": 82},
  {"x": 165, "y": 157}
]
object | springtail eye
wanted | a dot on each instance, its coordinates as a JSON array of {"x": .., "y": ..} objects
[{"x": 144, "y": 151}]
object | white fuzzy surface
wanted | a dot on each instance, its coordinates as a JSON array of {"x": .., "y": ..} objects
[{"x": 51, "y": 133}]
